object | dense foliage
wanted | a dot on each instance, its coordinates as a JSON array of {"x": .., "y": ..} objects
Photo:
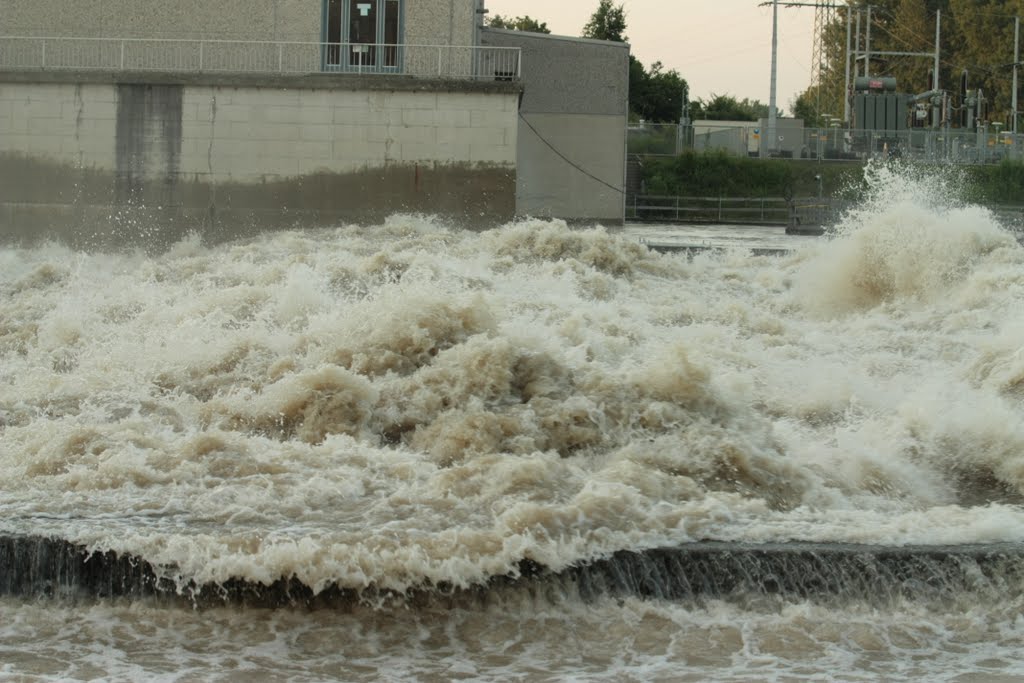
[
  {"x": 523, "y": 23},
  {"x": 655, "y": 94},
  {"x": 1001, "y": 183},
  {"x": 608, "y": 22},
  {"x": 728, "y": 108},
  {"x": 718, "y": 174}
]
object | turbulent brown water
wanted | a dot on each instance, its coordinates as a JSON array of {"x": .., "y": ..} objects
[{"x": 410, "y": 410}]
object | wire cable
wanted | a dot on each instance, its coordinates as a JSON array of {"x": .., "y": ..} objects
[{"x": 567, "y": 159}]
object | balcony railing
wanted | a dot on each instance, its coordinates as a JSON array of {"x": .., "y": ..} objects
[{"x": 234, "y": 56}]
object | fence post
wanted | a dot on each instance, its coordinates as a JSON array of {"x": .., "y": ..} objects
[
  {"x": 719, "y": 209},
  {"x": 44, "y": 54},
  {"x": 122, "y": 55},
  {"x": 201, "y": 45},
  {"x": 280, "y": 58},
  {"x": 439, "y": 49}
]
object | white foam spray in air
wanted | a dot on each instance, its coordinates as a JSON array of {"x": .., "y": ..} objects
[
  {"x": 409, "y": 403},
  {"x": 406, "y": 403}
]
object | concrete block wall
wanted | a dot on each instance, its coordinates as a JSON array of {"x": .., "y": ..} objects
[
  {"x": 203, "y": 152},
  {"x": 54, "y": 121},
  {"x": 258, "y": 133},
  {"x": 290, "y": 20},
  {"x": 440, "y": 22},
  {"x": 253, "y": 133}
]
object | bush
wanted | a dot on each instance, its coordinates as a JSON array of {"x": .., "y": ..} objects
[{"x": 718, "y": 174}]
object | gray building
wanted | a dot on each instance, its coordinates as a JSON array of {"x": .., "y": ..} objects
[
  {"x": 225, "y": 117},
  {"x": 370, "y": 22},
  {"x": 572, "y": 125}
]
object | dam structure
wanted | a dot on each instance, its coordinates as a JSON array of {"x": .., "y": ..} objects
[
  {"x": 225, "y": 118},
  {"x": 49, "y": 568},
  {"x": 306, "y": 374}
]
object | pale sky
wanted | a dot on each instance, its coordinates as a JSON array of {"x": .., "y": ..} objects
[{"x": 718, "y": 46}]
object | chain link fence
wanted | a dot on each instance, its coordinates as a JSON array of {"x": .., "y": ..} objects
[{"x": 957, "y": 146}]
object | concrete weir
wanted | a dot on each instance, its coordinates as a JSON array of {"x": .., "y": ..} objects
[
  {"x": 694, "y": 249},
  {"x": 38, "y": 567}
]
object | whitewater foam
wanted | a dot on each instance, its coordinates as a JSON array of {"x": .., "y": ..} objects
[{"x": 410, "y": 403}]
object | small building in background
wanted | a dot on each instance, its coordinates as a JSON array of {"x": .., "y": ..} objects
[
  {"x": 789, "y": 137},
  {"x": 745, "y": 138},
  {"x": 739, "y": 138}
]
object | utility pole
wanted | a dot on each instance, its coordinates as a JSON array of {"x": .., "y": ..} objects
[
  {"x": 856, "y": 66},
  {"x": 824, "y": 11},
  {"x": 936, "y": 112},
  {"x": 772, "y": 121},
  {"x": 824, "y": 17},
  {"x": 1016, "y": 65},
  {"x": 846, "y": 88},
  {"x": 867, "y": 46}
]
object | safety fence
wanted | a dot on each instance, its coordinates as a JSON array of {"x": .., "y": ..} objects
[
  {"x": 954, "y": 145},
  {"x": 799, "y": 214},
  {"x": 726, "y": 210},
  {"x": 254, "y": 57}
]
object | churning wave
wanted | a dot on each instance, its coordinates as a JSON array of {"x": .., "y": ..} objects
[{"x": 408, "y": 405}]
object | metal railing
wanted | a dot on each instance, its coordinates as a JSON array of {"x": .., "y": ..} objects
[
  {"x": 236, "y": 56},
  {"x": 730, "y": 210},
  {"x": 955, "y": 145}
]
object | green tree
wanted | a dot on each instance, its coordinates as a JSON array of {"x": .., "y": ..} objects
[
  {"x": 805, "y": 107},
  {"x": 523, "y": 23},
  {"x": 985, "y": 48},
  {"x": 656, "y": 95},
  {"x": 608, "y": 22},
  {"x": 728, "y": 108}
]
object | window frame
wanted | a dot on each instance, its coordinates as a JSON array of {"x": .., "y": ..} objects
[{"x": 344, "y": 32}]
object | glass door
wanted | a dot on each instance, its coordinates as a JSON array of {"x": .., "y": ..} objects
[
  {"x": 363, "y": 35},
  {"x": 332, "y": 34},
  {"x": 391, "y": 23}
]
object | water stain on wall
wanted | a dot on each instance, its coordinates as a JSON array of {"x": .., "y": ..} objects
[{"x": 148, "y": 140}]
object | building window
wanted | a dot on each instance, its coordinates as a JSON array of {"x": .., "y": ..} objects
[{"x": 363, "y": 35}]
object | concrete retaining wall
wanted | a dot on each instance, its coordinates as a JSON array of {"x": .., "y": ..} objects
[
  {"x": 548, "y": 186},
  {"x": 572, "y": 133},
  {"x": 98, "y": 155}
]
